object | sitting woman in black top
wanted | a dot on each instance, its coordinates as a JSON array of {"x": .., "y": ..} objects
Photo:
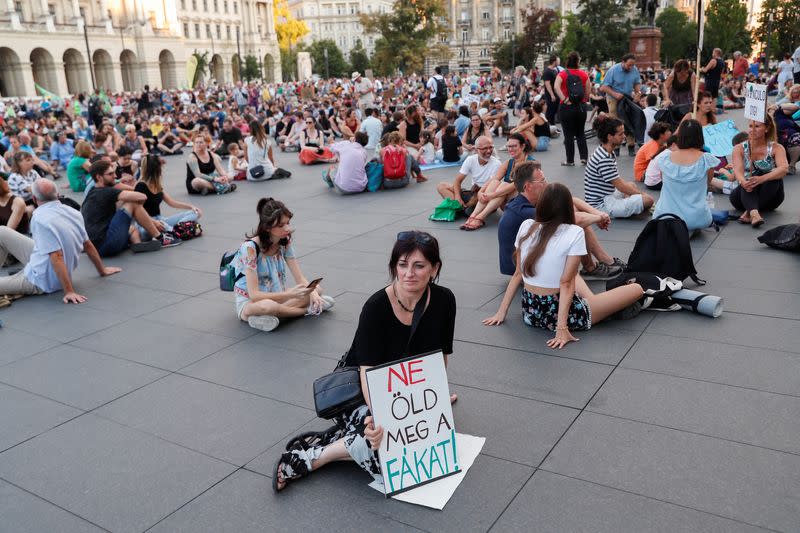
[
  {"x": 150, "y": 185},
  {"x": 382, "y": 337}
]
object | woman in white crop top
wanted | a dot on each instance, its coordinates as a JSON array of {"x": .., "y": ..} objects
[{"x": 555, "y": 297}]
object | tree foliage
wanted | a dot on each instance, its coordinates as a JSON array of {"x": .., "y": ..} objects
[
  {"x": 726, "y": 28},
  {"x": 405, "y": 34},
  {"x": 337, "y": 66},
  {"x": 359, "y": 60},
  {"x": 289, "y": 29},
  {"x": 202, "y": 66},
  {"x": 250, "y": 70},
  {"x": 679, "y": 36},
  {"x": 539, "y": 34},
  {"x": 288, "y": 63},
  {"x": 599, "y": 31},
  {"x": 785, "y": 26}
]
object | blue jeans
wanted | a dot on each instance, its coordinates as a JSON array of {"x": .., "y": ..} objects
[
  {"x": 170, "y": 221},
  {"x": 117, "y": 234}
]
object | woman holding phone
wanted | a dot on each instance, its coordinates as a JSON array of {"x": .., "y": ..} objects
[{"x": 262, "y": 297}]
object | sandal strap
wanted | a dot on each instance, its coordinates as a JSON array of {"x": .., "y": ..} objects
[{"x": 294, "y": 465}]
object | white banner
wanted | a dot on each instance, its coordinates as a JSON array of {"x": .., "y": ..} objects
[
  {"x": 755, "y": 101},
  {"x": 410, "y": 399}
]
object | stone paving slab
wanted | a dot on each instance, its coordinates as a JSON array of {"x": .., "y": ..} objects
[{"x": 668, "y": 422}]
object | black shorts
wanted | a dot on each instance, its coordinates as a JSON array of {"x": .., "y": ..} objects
[{"x": 438, "y": 105}]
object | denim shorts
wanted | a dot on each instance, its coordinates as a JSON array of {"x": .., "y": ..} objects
[
  {"x": 117, "y": 234},
  {"x": 542, "y": 312}
]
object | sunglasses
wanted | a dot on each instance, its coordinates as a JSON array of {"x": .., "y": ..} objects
[{"x": 418, "y": 236}]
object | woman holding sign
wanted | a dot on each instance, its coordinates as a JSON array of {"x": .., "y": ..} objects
[
  {"x": 386, "y": 332},
  {"x": 759, "y": 165}
]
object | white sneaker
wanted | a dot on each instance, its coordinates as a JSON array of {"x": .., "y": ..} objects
[
  {"x": 263, "y": 322},
  {"x": 327, "y": 304}
]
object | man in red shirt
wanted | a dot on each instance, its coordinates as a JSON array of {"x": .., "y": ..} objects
[{"x": 740, "y": 66}]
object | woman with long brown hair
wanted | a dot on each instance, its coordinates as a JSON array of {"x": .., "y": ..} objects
[
  {"x": 262, "y": 297},
  {"x": 13, "y": 213},
  {"x": 706, "y": 110},
  {"x": 259, "y": 153},
  {"x": 555, "y": 297},
  {"x": 410, "y": 129},
  {"x": 679, "y": 85}
]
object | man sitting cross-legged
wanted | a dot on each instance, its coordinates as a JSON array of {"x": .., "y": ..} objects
[
  {"x": 530, "y": 181},
  {"x": 108, "y": 213},
  {"x": 52, "y": 254},
  {"x": 480, "y": 167},
  {"x": 603, "y": 186}
]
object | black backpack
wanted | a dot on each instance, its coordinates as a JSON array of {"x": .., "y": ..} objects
[
  {"x": 786, "y": 237},
  {"x": 662, "y": 248},
  {"x": 575, "y": 92},
  {"x": 441, "y": 89}
]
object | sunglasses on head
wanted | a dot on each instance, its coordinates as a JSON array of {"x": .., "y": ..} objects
[{"x": 419, "y": 236}]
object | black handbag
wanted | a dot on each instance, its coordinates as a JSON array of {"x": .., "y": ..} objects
[
  {"x": 258, "y": 170},
  {"x": 340, "y": 391}
]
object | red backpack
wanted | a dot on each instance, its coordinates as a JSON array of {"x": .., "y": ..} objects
[{"x": 394, "y": 163}]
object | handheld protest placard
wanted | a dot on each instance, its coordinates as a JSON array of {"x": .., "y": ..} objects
[{"x": 410, "y": 399}]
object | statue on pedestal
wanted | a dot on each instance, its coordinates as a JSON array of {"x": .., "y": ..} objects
[{"x": 648, "y": 10}]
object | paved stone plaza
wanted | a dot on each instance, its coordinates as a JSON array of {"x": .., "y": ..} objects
[{"x": 152, "y": 408}]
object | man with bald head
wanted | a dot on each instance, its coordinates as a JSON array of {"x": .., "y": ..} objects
[
  {"x": 480, "y": 167},
  {"x": 52, "y": 254}
]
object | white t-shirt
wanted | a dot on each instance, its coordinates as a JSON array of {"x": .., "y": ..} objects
[
  {"x": 568, "y": 240},
  {"x": 373, "y": 128},
  {"x": 479, "y": 174},
  {"x": 258, "y": 156}
]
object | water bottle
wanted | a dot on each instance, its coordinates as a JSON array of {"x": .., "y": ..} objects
[{"x": 710, "y": 200}]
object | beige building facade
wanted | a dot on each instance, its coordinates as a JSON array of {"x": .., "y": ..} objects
[
  {"x": 338, "y": 21},
  {"x": 72, "y": 46}
]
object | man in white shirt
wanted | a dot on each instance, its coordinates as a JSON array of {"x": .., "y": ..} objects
[
  {"x": 438, "y": 92},
  {"x": 480, "y": 167},
  {"x": 50, "y": 257},
  {"x": 373, "y": 127},
  {"x": 364, "y": 89},
  {"x": 796, "y": 68}
]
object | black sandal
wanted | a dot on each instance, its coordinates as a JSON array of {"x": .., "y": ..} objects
[
  {"x": 310, "y": 439},
  {"x": 291, "y": 466}
]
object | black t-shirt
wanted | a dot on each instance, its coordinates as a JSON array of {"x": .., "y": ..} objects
[
  {"x": 98, "y": 208},
  {"x": 381, "y": 338},
  {"x": 122, "y": 170},
  {"x": 153, "y": 202},
  {"x": 450, "y": 149},
  {"x": 549, "y": 75},
  {"x": 389, "y": 128},
  {"x": 228, "y": 137}
]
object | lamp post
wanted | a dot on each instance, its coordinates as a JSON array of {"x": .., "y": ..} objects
[
  {"x": 464, "y": 64},
  {"x": 89, "y": 55},
  {"x": 770, "y": 20},
  {"x": 325, "y": 53},
  {"x": 513, "y": 49}
]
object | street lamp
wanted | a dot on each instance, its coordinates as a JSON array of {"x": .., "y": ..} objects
[
  {"x": 770, "y": 20},
  {"x": 513, "y": 49},
  {"x": 89, "y": 55},
  {"x": 325, "y": 53}
]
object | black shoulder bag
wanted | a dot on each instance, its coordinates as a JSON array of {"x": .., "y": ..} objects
[
  {"x": 340, "y": 391},
  {"x": 258, "y": 170}
]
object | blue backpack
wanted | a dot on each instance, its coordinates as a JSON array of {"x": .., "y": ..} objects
[{"x": 374, "y": 176}]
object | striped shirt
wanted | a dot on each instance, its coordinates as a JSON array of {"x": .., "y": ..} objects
[{"x": 601, "y": 170}]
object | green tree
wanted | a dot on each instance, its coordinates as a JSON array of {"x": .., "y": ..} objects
[
  {"x": 501, "y": 53},
  {"x": 250, "y": 69},
  {"x": 288, "y": 63},
  {"x": 599, "y": 31},
  {"x": 539, "y": 34},
  {"x": 337, "y": 66},
  {"x": 359, "y": 60},
  {"x": 680, "y": 36},
  {"x": 785, "y": 26},
  {"x": 202, "y": 66},
  {"x": 406, "y": 32},
  {"x": 289, "y": 29},
  {"x": 726, "y": 28}
]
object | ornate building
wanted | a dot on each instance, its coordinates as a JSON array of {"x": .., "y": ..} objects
[
  {"x": 338, "y": 20},
  {"x": 128, "y": 43}
]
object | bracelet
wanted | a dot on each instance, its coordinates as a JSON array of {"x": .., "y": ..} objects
[{"x": 562, "y": 328}]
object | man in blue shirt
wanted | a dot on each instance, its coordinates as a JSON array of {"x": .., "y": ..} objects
[
  {"x": 530, "y": 182},
  {"x": 462, "y": 122},
  {"x": 623, "y": 79},
  {"x": 61, "y": 151},
  {"x": 53, "y": 253}
]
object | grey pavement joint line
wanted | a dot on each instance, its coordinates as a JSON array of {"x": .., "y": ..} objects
[
  {"x": 659, "y": 500},
  {"x": 53, "y": 504}
]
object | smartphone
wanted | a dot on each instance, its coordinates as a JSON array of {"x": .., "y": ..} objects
[{"x": 313, "y": 284}]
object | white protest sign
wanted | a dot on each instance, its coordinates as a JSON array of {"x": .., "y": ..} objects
[
  {"x": 410, "y": 399},
  {"x": 755, "y": 101}
]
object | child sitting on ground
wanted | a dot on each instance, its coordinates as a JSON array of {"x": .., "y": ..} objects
[
  {"x": 652, "y": 176},
  {"x": 724, "y": 180},
  {"x": 426, "y": 154},
  {"x": 450, "y": 151},
  {"x": 237, "y": 165}
]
